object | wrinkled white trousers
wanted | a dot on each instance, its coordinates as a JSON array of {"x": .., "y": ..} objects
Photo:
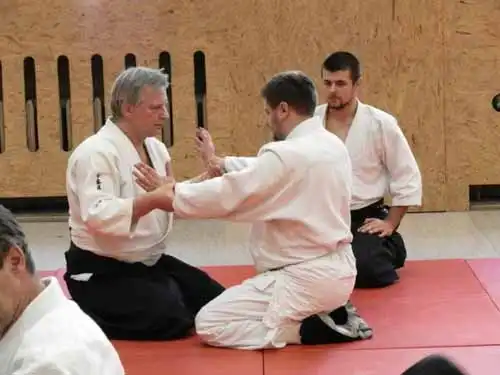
[{"x": 266, "y": 311}]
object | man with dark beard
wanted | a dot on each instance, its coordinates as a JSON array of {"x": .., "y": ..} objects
[
  {"x": 382, "y": 163},
  {"x": 296, "y": 194}
]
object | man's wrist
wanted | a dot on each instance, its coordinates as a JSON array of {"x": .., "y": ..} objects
[
  {"x": 395, "y": 215},
  {"x": 143, "y": 205},
  {"x": 217, "y": 163},
  {"x": 162, "y": 199},
  {"x": 391, "y": 223}
]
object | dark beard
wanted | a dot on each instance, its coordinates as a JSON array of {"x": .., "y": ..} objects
[{"x": 340, "y": 106}]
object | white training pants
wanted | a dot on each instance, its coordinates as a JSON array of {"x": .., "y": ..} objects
[{"x": 266, "y": 310}]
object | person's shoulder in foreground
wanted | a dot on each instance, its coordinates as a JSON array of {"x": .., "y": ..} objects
[
  {"x": 41, "y": 331},
  {"x": 76, "y": 345}
]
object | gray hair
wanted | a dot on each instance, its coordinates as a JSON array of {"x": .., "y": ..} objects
[
  {"x": 129, "y": 83},
  {"x": 12, "y": 235}
]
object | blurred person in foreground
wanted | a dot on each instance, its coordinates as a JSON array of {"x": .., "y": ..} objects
[{"x": 41, "y": 331}]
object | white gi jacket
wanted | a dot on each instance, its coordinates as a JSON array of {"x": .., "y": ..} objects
[
  {"x": 54, "y": 337},
  {"x": 295, "y": 192},
  {"x": 101, "y": 189},
  {"x": 381, "y": 158}
]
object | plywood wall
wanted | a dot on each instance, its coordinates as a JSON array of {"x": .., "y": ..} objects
[
  {"x": 431, "y": 63},
  {"x": 472, "y": 68}
]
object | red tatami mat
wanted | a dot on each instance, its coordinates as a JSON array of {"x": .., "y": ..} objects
[
  {"x": 436, "y": 303},
  {"x": 441, "y": 304},
  {"x": 424, "y": 279},
  {"x": 476, "y": 360},
  {"x": 488, "y": 273},
  {"x": 186, "y": 357}
]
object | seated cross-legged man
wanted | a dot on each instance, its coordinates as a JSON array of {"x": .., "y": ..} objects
[
  {"x": 294, "y": 192},
  {"x": 117, "y": 267},
  {"x": 383, "y": 164}
]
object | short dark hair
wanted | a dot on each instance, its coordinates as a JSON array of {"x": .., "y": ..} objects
[
  {"x": 11, "y": 234},
  {"x": 294, "y": 88},
  {"x": 342, "y": 60}
]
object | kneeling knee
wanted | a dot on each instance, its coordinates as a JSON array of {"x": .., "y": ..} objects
[{"x": 208, "y": 328}]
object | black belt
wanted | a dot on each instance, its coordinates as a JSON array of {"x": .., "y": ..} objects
[
  {"x": 83, "y": 261},
  {"x": 377, "y": 210}
]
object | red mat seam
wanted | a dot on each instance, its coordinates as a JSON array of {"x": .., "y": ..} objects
[
  {"x": 418, "y": 347},
  {"x": 412, "y": 347},
  {"x": 483, "y": 285},
  {"x": 421, "y": 347}
]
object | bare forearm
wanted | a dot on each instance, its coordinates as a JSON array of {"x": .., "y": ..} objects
[
  {"x": 396, "y": 214},
  {"x": 143, "y": 205}
]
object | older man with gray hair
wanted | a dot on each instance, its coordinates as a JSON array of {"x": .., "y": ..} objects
[
  {"x": 117, "y": 269},
  {"x": 41, "y": 331}
]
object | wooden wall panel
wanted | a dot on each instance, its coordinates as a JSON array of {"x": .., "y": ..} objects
[
  {"x": 239, "y": 60},
  {"x": 402, "y": 80},
  {"x": 81, "y": 96},
  {"x": 428, "y": 63},
  {"x": 414, "y": 77},
  {"x": 472, "y": 79}
]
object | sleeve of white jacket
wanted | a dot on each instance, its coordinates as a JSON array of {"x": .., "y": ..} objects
[
  {"x": 250, "y": 194},
  {"x": 98, "y": 185},
  {"x": 237, "y": 163},
  {"x": 405, "y": 179}
]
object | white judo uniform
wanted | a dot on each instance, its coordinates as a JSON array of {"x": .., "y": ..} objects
[
  {"x": 381, "y": 158},
  {"x": 117, "y": 268},
  {"x": 382, "y": 164},
  {"x": 296, "y": 193},
  {"x": 101, "y": 190},
  {"x": 54, "y": 337}
]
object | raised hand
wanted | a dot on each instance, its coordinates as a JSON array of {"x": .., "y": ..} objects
[
  {"x": 204, "y": 145},
  {"x": 206, "y": 148},
  {"x": 147, "y": 178}
]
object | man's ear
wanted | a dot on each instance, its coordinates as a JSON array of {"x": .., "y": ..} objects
[
  {"x": 127, "y": 109},
  {"x": 15, "y": 260},
  {"x": 283, "y": 107},
  {"x": 358, "y": 82}
]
